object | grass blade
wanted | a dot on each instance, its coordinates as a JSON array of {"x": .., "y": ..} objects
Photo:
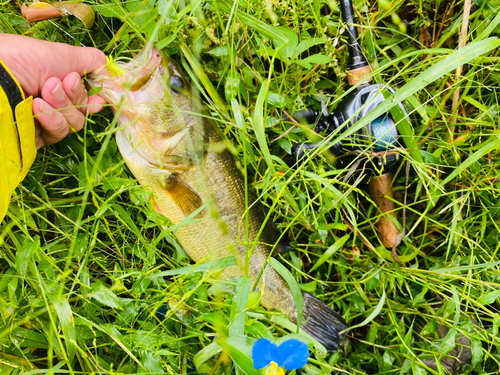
[
  {"x": 259, "y": 124},
  {"x": 330, "y": 251},
  {"x": 211, "y": 265},
  {"x": 373, "y": 314},
  {"x": 487, "y": 147},
  {"x": 239, "y": 349},
  {"x": 294, "y": 287},
  {"x": 238, "y": 306},
  {"x": 65, "y": 315},
  {"x": 202, "y": 76},
  {"x": 206, "y": 353},
  {"x": 271, "y": 32}
]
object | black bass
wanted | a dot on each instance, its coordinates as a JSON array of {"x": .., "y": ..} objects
[{"x": 178, "y": 156}]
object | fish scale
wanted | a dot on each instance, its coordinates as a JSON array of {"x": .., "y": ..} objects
[{"x": 181, "y": 159}]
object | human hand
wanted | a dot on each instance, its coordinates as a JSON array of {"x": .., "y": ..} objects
[{"x": 51, "y": 72}]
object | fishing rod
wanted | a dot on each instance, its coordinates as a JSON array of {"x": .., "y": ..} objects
[{"x": 377, "y": 138}]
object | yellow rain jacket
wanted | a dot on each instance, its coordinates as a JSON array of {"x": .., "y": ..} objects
[{"x": 17, "y": 136}]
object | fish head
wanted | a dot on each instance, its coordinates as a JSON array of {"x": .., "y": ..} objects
[{"x": 155, "y": 107}]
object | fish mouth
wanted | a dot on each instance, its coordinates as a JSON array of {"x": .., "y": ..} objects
[
  {"x": 132, "y": 85},
  {"x": 128, "y": 76},
  {"x": 134, "y": 89}
]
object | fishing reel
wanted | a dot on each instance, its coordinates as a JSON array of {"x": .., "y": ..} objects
[{"x": 375, "y": 138}]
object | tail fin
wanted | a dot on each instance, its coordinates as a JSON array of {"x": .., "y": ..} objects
[{"x": 323, "y": 323}]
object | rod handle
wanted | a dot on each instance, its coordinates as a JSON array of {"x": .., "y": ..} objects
[
  {"x": 381, "y": 192},
  {"x": 356, "y": 57}
]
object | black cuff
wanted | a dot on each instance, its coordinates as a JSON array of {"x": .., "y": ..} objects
[{"x": 11, "y": 89}]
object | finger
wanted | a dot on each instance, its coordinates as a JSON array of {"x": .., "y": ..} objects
[
  {"x": 54, "y": 126},
  {"x": 54, "y": 94},
  {"x": 77, "y": 94},
  {"x": 95, "y": 104}
]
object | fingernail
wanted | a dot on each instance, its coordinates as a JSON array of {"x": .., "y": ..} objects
[
  {"x": 58, "y": 92},
  {"x": 77, "y": 86},
  {"x": 40, "y": 106}
]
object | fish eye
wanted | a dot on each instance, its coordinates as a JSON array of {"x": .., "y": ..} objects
[{"x": 176, "y": 84}]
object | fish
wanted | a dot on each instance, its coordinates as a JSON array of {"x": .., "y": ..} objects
[{"x": 179, "y": 155}]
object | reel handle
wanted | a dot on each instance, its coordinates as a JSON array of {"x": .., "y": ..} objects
[{"x": 381, "y": 190}]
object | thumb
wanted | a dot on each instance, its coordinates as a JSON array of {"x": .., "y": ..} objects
[{"x": 82, "y": 60}]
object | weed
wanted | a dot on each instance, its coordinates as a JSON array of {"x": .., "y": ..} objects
[{"x": 84, "y": 259}]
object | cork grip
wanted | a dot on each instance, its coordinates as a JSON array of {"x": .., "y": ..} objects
[
  {"x": 380, "y": 188},
  {"x": 355, "y": 76}
]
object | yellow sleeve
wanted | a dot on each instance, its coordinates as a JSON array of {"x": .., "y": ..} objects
[{"x": 17, "y": 136}]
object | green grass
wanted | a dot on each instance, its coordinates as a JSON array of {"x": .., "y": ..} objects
[{"x": 83, "y": 255}]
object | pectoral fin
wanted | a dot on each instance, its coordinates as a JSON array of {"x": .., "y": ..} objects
[{"x": 183, "y": 195}]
